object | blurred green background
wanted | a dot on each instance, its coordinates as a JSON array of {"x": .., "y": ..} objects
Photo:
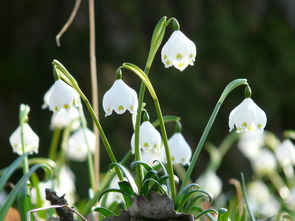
[{"x": 235, "y": 39}]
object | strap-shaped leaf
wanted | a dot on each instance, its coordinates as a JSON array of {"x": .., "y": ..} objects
[
  {"x": 189, "y": 195},
  {"x": 12, "y": 195},
  {"x": 104, "y": 211},
  {"x": 127, "y": 175},
  {"x": 192, "y": 202},
  {"x": 144, "y": 164},
  {"x": 10, "y": 169},
  {"x": 223, "y": 214},
  {"x": 126, "y": 187},
  {"x": 183, "y": 191},
  {"x": 205, "y": 212},
  {"x": 145, "y": 186}
]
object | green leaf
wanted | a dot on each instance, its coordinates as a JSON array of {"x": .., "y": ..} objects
[
  {"x": 145, "y": 186},
  {"x": 127, "y": 175},
  {"x": 126, "y": 196},
  {"x": 12, "y": 195},
  {"x": 205, "y": 212},
  {"x": 9, "y": 170},
  {"x": 189, "y": 195},
  {"x": 252, "y": 217},
  {"x": 144, "y": 164},
  {"x": 184, "y": 191},
  {"x": 151, "y": 174},
  {"x": 126, "y": 187},
  {"x": 157, "y": 32},
  {"x": 192, "y": 202},
  {"x": 104, "y": 211}
]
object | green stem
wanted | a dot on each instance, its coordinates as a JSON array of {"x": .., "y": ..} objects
[
  {"x": 23, "y": 117},
  {"x": 69, "y": 78},
  {"x": 252, "y": 217},
  {"x": 54, "y": 143},
  {"x": 89, "y": 154},
  {"x": 231, "y": 86},
  {"x": 167, "y": 149},
  {"x": 278, "y": 182}
]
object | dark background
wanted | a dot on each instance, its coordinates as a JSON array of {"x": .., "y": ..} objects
[{"x": 235, "y": 39}]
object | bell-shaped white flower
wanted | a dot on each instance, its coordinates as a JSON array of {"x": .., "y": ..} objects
[
  {"x": 178, "y": 51},
  {"x": 150, "y": 156},
  {"x": 63, "y": 184},
  {"x": 261, "y": 200},
  {"x": 211, "y": 182},
  {"x": 78, "y": 144},
  {"x": 264, "y": 163},
  {"x": 63, "y": 96},
  {"x": 114, "y": 196},
  {"x": 179, "y": 149},
  {"x": 285, "y": 153},
  {"x": 250, "y": 144},
  {"x": 149, "y": 138},
  {"x": 46, "y": 98},
  {"x": 247, "y": 117},
  {"x": 63, "y": 118},
  {"x": 120, "y": 97},
  {"x": 31, "y": 140}
]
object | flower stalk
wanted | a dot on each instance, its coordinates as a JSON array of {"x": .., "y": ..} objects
[
  {"x": 156, "y": 41},
  {"x": 230, "y": 87},
  {"x": 66, "y": 76},
  {"x": 54, "y": 143}
]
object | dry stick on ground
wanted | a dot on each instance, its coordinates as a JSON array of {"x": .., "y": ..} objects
[{"x": 69, "y": 22}]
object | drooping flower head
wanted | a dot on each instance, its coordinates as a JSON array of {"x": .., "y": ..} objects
[
  {"x": 31, "y": 140},
  {"x": 114, "y": 196},
  {"x": 63, "y": 96},
  {"x": 210, "y": 182},
  {"x": 78, "y": 143},
  {"x": 46, "y": 98},
  {"x": 63, "y": 118},
  {"x": 247, "y": 116},
  {"x": 264, "y": 163},
  {"x": 250, "y": 144},
  {"x": 178, "y": 51},
  {"x": 285, "y": 153},
  {"x": 120, "y": 97},
  {"x": 180, "y": 150},
  {"x": 149, "y": 138},
  {"x": 150, "y": 156},
  {"x": 261, "y": 200}
]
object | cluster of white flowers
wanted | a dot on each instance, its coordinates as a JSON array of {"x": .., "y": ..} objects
[{"x": 261, "y": 201}]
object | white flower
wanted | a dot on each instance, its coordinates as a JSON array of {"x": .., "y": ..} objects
[
  {"x": 77, "y": 148},
  {"x": 264, "y": 163},
  {"x": 63, "y": 118},
  {"x": 149, "y": 138},
  {"x": 62, "y": 96},
  {"x": 63, "y": 184},
  {"x": 178, "y": 51},
  {"x": 210, "y": 182},
  {"x": 150, "y": 156},
  {"x": 261, "y": 201},
  {"x": 120, "y": 97},
  {"x": 179, "y": 149},
  {"x": 286, "y": 153},
  {"x": 31, "y": 140},
  {"x": 114, "y": 196},
  {"x": 247, "y": 117},
  {"x": 291, "y": 199},
  {"x": 46, "y": 98},
  {"x": 250, "y": 144}
]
